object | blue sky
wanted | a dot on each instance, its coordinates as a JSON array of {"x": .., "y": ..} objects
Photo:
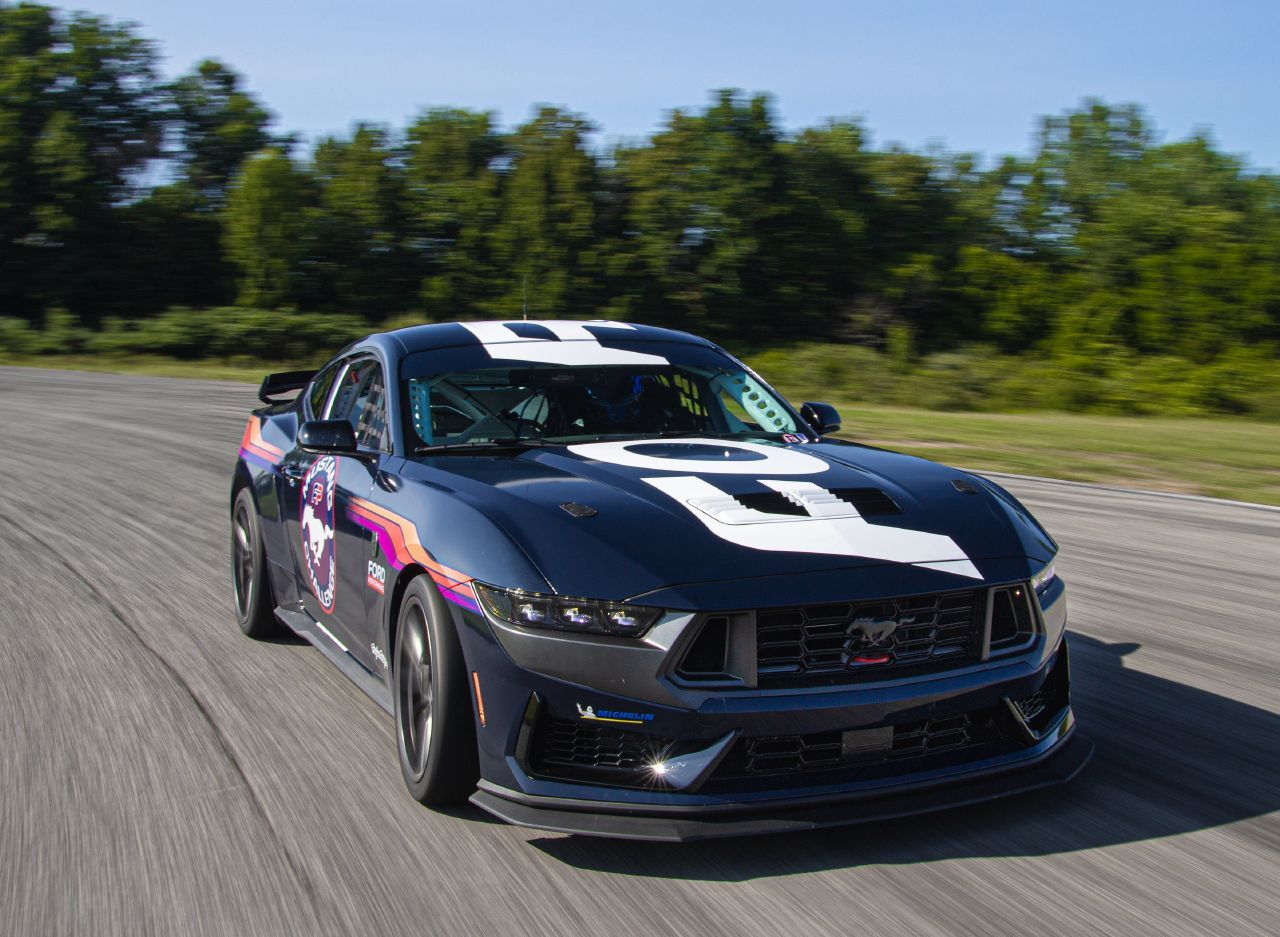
[{"x": 972, "y": 75}]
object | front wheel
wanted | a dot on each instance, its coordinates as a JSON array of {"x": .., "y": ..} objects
[{"x": 435, "y": 733}]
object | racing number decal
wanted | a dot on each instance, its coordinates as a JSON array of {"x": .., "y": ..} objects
[
  {"x": 317, "y": 529},
  {"x": 752, "y": 458}
]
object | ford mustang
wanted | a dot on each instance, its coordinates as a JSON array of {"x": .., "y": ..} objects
[{"x": 607, "y": 581}]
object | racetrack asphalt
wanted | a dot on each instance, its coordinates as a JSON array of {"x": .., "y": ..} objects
[{"x": 162, "y": 774}]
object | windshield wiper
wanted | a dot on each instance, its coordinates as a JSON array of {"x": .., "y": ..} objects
[{"x": 487, "y": 445}]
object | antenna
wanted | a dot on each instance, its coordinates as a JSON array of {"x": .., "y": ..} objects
[{"x": 525, "y": 308}]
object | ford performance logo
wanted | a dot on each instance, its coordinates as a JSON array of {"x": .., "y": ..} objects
[{"x": 317, "y": 529}]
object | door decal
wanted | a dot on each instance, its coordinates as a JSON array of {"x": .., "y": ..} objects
[{"x": 318, "y": 550}]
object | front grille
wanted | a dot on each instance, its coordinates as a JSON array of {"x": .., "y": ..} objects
[
  {"x": 587, "y": 750},
  {"x": 862, "y": 640},
  {"x": 831, "y": 751}
]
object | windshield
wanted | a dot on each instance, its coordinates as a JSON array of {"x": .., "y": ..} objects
[{"x": 559, "y": 403}]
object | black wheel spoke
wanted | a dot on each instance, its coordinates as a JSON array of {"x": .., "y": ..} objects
[
  {"x": 414, "y": 689},
  {"x": 242, "y": 548}
]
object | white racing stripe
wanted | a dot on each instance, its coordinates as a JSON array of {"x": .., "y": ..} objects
[
  {"x": 576, "y": 344},
  {"x": 827, "y": 529}
]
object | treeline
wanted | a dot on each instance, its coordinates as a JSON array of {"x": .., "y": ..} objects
[{"x": 124, "y": 198}]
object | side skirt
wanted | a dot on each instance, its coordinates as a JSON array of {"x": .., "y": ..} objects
[{"x": 304, "y": 626}]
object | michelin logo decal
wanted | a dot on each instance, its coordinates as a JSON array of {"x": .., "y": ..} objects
[{"x": 612, "y": 715}]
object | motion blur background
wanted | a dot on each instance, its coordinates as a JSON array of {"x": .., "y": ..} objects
[
  {"x": 1068, "y": 266},
  {"x": 156, "y": 215}
]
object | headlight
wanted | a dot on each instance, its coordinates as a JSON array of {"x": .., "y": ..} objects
[
  {"x": 1042, "y": 579},
  {"x": 563, "y": 613}
]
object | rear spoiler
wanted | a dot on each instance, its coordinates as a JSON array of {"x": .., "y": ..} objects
[{"x": 283, "y": 383}]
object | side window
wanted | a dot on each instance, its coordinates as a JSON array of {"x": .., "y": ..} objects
[
  {"x": 360, "y": 399},
  {"x": 319, "y": 391}
]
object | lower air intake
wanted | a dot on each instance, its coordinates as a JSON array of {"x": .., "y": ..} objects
[
  {"x": 821, "y": 751},
  {"x": 589, "y": 751}
]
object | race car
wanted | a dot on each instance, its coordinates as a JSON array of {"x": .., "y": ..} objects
[{"x": 607, "y": 581}]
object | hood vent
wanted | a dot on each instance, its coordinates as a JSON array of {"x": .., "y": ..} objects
[
  {"x": 868, "y": 502},
  {"x": 781, "y": 505},
  {"x": 771, "y": 502}
]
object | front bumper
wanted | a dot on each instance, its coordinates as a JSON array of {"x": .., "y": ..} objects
[
  {"x": 623, "y": 751},
  {"x": 1058, "y": 765}
]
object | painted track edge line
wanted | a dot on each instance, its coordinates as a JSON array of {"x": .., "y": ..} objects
[{"x": 1098, "y": 486}]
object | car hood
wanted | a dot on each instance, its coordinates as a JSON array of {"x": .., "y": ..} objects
[{"x": 704, "y": 522}]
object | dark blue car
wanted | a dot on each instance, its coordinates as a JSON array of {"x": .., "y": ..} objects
[{"x": 607, "y": 581}]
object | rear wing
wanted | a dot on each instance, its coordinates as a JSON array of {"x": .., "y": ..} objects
[{"x": 283, "y": 383}]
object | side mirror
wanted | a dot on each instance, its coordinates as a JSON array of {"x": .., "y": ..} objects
[
  {"x": 334, "y": 437},
  {"x": 822, "y": 417}
]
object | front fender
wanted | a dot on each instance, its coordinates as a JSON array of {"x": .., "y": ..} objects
[{"x": 420, "y": 526}]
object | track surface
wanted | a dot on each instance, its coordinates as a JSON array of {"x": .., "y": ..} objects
[{"x": 163, "y": 774}]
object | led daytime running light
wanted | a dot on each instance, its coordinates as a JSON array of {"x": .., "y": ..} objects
[
  {"x": 566, "y": 613},
  {"x": 1043, "y": 578}
]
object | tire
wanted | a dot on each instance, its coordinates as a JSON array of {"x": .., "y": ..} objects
[
  {"x": 435, "y": 731},
  {"x": 255, "y": 608}
]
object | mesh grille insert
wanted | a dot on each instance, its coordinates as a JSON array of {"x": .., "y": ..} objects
[
  {"x": 826, "y": 751},
  {"x": 586, "y": 750},
  {"x": 862, "y": 640}
]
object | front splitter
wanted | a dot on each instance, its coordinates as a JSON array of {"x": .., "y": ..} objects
[{"x": 692, "y": 823}]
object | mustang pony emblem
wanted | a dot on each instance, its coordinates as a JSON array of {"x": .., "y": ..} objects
[
  {"x": 876, "y": 629},
  {"x": 317, "y": 529}
]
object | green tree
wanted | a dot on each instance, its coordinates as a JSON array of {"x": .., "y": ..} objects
[
  {"x": 217, "y": 125},
  {"x": 360, "y": 224},
  {"x": 270, "y": 222},
  {"x": 546, "y": 243},
  {"x": 707, "y": 217},
  {"x": 170, "y": 253},
  {"x": 453, "y": 204},
  {"x": 81, "y": 116},
  {"x": 829, "y": 239}
]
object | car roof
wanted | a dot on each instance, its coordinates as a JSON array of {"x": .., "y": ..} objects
[{"x": 438, "y": 335}]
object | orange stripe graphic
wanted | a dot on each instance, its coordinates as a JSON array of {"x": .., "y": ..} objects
[
  {"x": 253, "y": 441},
  {"x": 404, "y": 540}
]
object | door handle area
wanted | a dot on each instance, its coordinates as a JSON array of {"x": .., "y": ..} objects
[{"x": 293, "y": 472}]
